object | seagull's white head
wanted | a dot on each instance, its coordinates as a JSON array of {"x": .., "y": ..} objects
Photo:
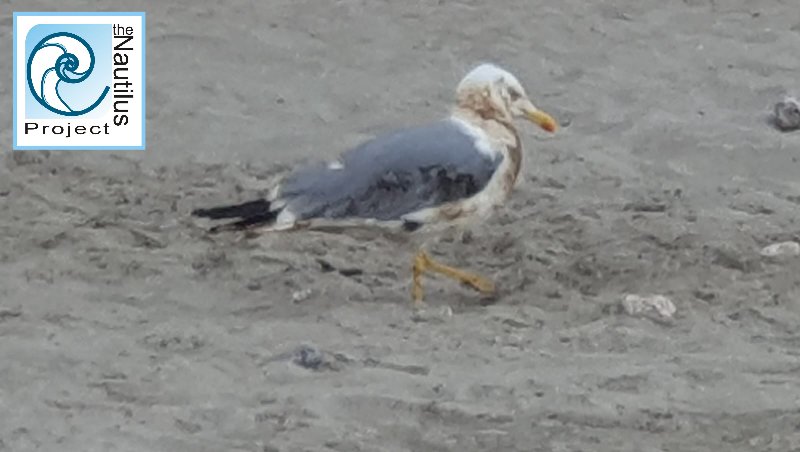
[{"x": 493, "y": 92}]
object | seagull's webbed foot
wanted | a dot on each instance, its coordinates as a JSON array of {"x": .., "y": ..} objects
[{"x": 424, "y": 263}]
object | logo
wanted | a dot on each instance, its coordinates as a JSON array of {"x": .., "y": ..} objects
[
  {"x": 79, "y": 81},
  {"x": 60, "y": 57}
]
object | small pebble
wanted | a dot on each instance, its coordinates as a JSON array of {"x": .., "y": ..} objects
[
  {"x": 308, "y": 357},
  {"x": 787, "y": 114},
  {"x": 639, "y": 304},
  {"x": 301, "y": 295},
  {"x": 789, "y": 248}
]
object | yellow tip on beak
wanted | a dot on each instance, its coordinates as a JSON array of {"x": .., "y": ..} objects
[{"x": 542, "y": 119}]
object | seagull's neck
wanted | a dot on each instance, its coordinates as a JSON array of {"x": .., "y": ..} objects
[
  {"x": 482, "y": 120},
  {"x": 476, "y": 106},
  {"x": 500, "y": 131},
  {"x": 480, "y": 117}
]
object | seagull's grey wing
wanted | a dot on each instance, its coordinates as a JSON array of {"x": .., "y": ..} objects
[{"x": 392, "y": 175}]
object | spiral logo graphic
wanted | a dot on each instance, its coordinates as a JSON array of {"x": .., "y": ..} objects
[{"x": 60, "y": 57}]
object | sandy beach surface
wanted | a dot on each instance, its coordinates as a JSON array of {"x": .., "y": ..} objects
[{"x": 124, "y": 327}]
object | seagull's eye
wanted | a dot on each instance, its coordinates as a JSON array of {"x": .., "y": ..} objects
[{"x": 514, "y": 94}]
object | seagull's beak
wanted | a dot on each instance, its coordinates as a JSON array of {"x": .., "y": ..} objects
[{"x": 540, "y": 118}]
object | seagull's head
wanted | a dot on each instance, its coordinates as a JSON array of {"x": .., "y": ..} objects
[{"x": 492, "y": 91}]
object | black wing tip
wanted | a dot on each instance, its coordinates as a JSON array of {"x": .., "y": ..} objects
[
  {"x": 249, "y": 214},
  {"x": 250, "y": 222},
  {"x": 203, "y": 213},
  {"x": 411, "y": 226},
  {"x": 243, "y": 210}
]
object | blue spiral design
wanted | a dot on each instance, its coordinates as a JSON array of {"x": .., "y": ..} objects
[{"x": 63, "y": 69}]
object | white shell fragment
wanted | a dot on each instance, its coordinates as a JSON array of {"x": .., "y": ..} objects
[
  {"x": 789, "y": 248},
  {"x": 301, "y": 295},
  {"x": 641, "y": 304},
  {"x": 423, "y": 315}
]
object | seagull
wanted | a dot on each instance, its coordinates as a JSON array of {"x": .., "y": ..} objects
[{"x": 416, "y": 180}]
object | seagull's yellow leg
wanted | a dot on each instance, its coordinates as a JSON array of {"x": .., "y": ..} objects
[
  {"x": 424, "y": 263},
  {"x": 418, "y": 268}
]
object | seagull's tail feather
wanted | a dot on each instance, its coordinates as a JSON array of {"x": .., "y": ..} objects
[
  {"x": 250, "y": 214},
  {"x": 246, "y": 222},
  {"x": 243, "y": 210}
]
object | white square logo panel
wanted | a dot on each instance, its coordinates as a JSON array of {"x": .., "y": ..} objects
[{"x": 79, "y": 81}]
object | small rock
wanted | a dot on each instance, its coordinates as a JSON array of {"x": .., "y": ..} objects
[
  {"x": 308, "y": 357},
  {"x": 640, "y": 304},
  {"x": 351, "y": 272},
  {"x": 301, "y": 295},
  {"x": 143, "y": 240},
  {"x": 787, "y": 114},
  {"x": 325, "y": 266},
  {"x": 705, "y": 294},
  {"x": 422, "y": 315},
  {"x": 789, "y": 248}
]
